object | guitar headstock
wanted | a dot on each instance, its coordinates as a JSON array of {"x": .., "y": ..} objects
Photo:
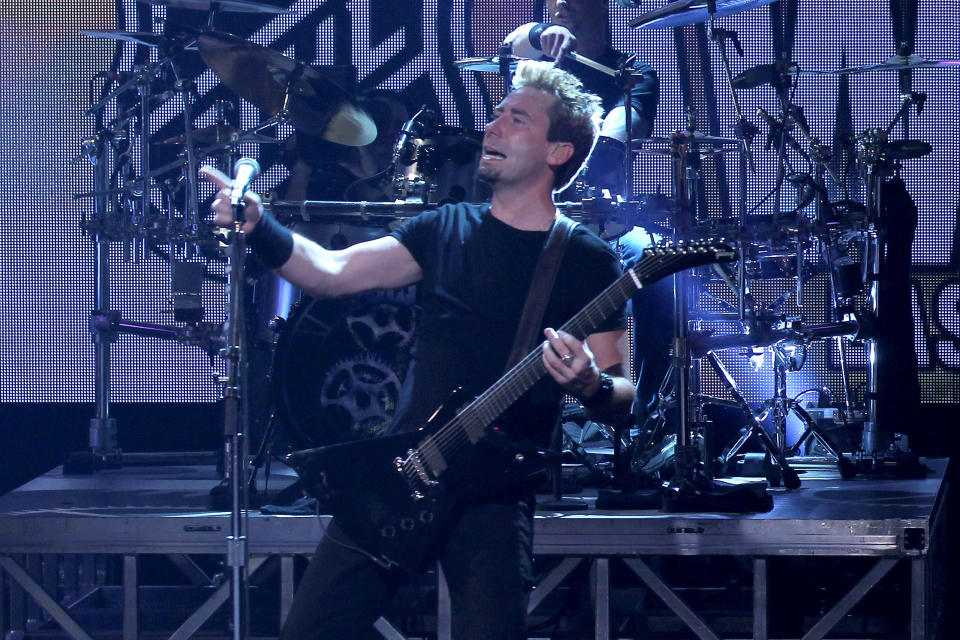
[{"x": 669, "y": 257}]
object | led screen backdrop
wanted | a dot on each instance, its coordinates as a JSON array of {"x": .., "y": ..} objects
[{"x": 50, "y": 72}]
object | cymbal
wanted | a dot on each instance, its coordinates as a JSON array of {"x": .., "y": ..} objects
[
  {"x": 137, "y": 37},
  {"x": 485, "y": 63},
  {"x": 232, "y": 6},
  {"x": 704, "y": 144},
  {"x": 218, "y": 133},
  {"x": 275, "y": 83},
  {"x": 762, "y": 74},
  {"x": 894, "y": 63},
  {"x": 680, "y": 13}
]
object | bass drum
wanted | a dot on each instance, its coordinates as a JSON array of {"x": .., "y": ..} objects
[
  {"x": 441, "y": 168},
  {"x": 339, "y": 365}
]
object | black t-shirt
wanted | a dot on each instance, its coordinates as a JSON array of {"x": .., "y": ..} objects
[
  {"x": 476, "y": 273},
  {"x": 644, "y": 94}
]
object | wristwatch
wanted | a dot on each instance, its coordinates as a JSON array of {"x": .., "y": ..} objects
[{"x": 601, "y": 395}]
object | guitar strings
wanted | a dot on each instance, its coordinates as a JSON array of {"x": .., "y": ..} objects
[{"x": 456, "y": 433}]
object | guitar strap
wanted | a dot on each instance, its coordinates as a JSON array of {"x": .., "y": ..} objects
[{"x": 544, "y": 275}]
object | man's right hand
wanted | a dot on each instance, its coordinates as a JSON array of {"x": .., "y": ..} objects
[
  {"x": 557, "y": 41},
  {"x": 221, "y": 206}
]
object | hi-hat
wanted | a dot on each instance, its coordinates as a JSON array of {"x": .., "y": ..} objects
[
  {"x": 683, "y": 12},
  {"x": 281, "y": 86},
  {"x": 220, "y": 133},
  {"x": 232, "y": 6},
  {"x": 138, "y": 37}
]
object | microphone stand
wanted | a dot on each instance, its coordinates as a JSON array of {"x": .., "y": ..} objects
[{"x": 235, "y": 418}]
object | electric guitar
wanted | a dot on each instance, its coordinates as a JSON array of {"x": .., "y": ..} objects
[{"x": 396, "y": 495}]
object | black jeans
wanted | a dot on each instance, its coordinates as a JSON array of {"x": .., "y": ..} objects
[{"x": 487, "y": 561}]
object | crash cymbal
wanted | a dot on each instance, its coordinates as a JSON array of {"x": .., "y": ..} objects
[
  {"x": 894, "y": 63},
  {"x": 284, "y": 87},
  {"x": 680, "y": 13},
  {"x": 907, "y": 149},
  {"x": 218, "y": 133},
  {"x": 137, "y": 37},
  {"x": 231, "y": 6},
  {"x": 486, "y": 63}
]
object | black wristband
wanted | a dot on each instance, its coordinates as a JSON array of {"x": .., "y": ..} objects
[
  {"x": 601, "y": 395},
  {"x": 271, "y": 241},
  {"x": 534, "y": 35}
]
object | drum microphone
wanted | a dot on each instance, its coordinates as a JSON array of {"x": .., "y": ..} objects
[
  {"x": 244, "y": 171},
  {"x": 917, "y": 98},
  {"x": 404, "y": 152}
]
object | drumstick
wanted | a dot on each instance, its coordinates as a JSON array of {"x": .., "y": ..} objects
[{"x": 573, "y": 55}]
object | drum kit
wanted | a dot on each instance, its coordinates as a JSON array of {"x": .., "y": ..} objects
[{"x": 433, "y": 164}]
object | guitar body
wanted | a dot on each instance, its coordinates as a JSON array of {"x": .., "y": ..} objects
[
  {"x": 378, "y": 508},
  {"x": 359, "y": 484}
]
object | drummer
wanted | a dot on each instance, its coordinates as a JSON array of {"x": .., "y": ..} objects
[{"x": 584, "y": 26}]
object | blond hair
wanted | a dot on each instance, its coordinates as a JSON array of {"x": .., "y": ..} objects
[{"x": 575, "y": 116}]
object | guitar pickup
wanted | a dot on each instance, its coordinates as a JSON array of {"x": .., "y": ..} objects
[{"x": 413, "y": 469}]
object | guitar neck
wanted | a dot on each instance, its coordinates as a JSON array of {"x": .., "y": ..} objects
[{"x": 470, "y": 425}]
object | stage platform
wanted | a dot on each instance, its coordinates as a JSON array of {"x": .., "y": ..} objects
[{"x": 65, "y": 541}]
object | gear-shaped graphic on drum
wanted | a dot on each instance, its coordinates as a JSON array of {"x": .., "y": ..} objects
[
  {"x": 362, "y": 393},
  {"x": 385, "y": 327}
]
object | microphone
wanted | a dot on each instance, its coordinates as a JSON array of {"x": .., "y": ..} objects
[
  {"x": 918, "y": 99},
  {"x": 244, "y": 171},
  {"x": 404, "y": 151}
]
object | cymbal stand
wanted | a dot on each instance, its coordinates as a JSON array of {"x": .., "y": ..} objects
[
  {"x": 691, "y": 488},
  {"x": 104, "y": 450},
  {"x": 744, "y": 131},
  {"x": 870, "y": 155},
  {"x": 191, "y": 212},
  {"x": 626, "y": 75},
  {"x": 774, "y": 449},
  {"x": 685, "y": 178},
  {"x": 783, "y": 362}
]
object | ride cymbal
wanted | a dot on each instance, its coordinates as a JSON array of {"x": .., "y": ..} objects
[
  {"x": 684, "y": 12},
  {"x": 231, "y": 6},
  {"x": 281, "y": 86},
  {"x": 137, "y": 37},
  {"x": 894, "y": 63}
]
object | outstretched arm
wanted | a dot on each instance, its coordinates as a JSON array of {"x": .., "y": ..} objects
[{"x": 383, "y": 263}]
